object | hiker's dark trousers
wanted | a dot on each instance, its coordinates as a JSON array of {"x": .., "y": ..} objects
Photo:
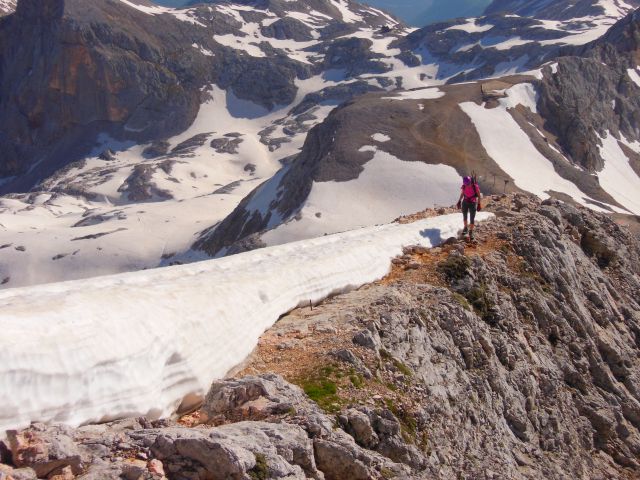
[{"x": 469, "y": 209}]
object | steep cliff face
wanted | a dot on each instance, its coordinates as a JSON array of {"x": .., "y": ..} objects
[
  {"x": 587, "y": 96},
  {"x": 68, "y": 73}
]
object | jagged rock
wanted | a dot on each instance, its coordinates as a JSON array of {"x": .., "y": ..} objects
[
  {"x": 288, "y": 29},
  {"x": 234, "y": 451},
  {"x": 349, "y": 357},
  {"x": 226, "y": 145},
  {"x": 139, "y": 186},
  {"x": 156, "y": 149},
  {"x": 191, "y": 144},
  {"x": 367, "y": 339},
  {"x": 262, "y": 397},
  {"x": 9, "y": 473},
  {"x": 338, "y": 462},
  {"x": 107, "y": 155},
  {"x": 47, "y": 452}
]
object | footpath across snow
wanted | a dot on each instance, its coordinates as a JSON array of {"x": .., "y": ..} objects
[{"x": 141, "y": 343}]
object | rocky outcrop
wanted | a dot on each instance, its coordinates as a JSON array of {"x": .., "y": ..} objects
[
  {"x": 591, "y": 95},
  {"x": 514, "y": 359}
]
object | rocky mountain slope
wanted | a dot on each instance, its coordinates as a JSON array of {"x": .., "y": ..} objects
[
  {"x": 513, "y": 36},
  {"x": 7, "y": 7},
  {"x": 133, "y": 131},
  {"x": 173, "y": 117},
  {"x": 570, "y": 129},
  {"x": 517, "y": 359}
]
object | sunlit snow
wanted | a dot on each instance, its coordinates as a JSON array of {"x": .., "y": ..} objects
[{"x": 141, "y": 343}]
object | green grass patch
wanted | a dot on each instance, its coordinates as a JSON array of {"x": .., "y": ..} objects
[
  {"x": 461, "y": 300},
  {"x": 455, "y": 267},
  {"x": 261, "y": 469},
  {"x": 357, "y": 380},
  {"x": 322, "y": 387},
  {"x": 401, "y": 367},
  {"x": 387, "y": 473}
]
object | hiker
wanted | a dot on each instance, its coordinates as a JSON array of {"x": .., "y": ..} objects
[{"x": 470, "y": 202}]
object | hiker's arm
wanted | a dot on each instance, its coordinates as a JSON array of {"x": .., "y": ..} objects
[
  {"x": 479, "y": 198},
  {"x": 459, "y": 204}
]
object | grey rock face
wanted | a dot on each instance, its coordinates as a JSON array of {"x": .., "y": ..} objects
[
  {"x": 467, "y": 54},
  {"x": 599, "y": 75},
  {"x": 45, "y": 451},
  {"x": 235, "y": 451},
  {"x": 566, "y": 304},
  {"x": 288, "y": 29},
  {"x": 115, "y": 70}
]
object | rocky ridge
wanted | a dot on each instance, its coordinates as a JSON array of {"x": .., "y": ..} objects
[
  {"x": 516, "y": 359},
  {"x": 511, "y": 36}
]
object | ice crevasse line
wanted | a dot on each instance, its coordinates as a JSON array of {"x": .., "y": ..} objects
[{"x": 141, "y": 343}]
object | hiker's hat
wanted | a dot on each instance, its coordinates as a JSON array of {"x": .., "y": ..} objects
[{"x": 466, "y": 181}]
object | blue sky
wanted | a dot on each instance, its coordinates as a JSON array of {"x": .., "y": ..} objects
[{"x": 414, "y": 12}]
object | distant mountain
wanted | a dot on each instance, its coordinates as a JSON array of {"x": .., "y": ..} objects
[
  {"x": 513, "y": 36},
  {"x": 570, "y": 130},
  {"x": 414, "y": 12},
  {"x": 128, "y": 127}
]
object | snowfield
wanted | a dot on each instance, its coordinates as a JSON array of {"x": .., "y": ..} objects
[
  {"x": 511, "y": 148},
  {"x": 387, "y": 188},
  {"x": 143, "y": 343}
]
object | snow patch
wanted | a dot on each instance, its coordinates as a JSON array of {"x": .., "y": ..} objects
[
  {"x": 521, "y": 94},
  {"x": 380, "y": 137},
  {"x": 139, "y": 343},
  {"x": 511, "y": 148},
  {"x": 386, "y": 189},
  {"x": 420, "y": 94},
  {"x": 472, "y": 27},
  {"x": 617, "y": 177},
  {"x": 633, "y": 74}
]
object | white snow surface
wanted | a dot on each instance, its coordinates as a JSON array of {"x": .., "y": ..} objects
[
  {"x": 142, "y": 343},
  {"x": 618, "y": 177},
  {"x": 387, "y": 189},
  {"x": 633, "y": 74},
  {"x": 380, "y": 137},
  {"x": 471, "y": 26},
  {"x": 419, "y": 94}
]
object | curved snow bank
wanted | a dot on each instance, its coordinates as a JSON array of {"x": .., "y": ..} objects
[{"x": 140, "y": 343}]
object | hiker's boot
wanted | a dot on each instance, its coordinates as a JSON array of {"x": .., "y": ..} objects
[
  {"x": 471, "y": 237},
  {"x": 465, "y": 230}
]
